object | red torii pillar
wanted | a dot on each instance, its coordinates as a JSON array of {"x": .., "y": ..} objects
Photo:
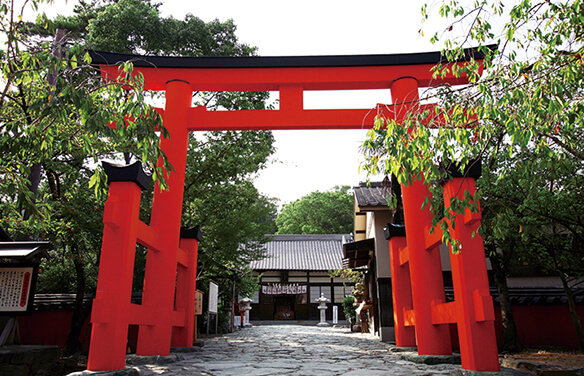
[
  {"x": 472, "y": 309},
  {"x": 111, "y": 312},
  {"x": 424, "y": 259},
  {"x": 405, "y": 335},
  {"x": 166, "y": 309},
  {"x": 160, "y": 275}
]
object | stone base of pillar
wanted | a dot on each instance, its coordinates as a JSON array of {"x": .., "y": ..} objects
[{"x": 323, "y": 324}]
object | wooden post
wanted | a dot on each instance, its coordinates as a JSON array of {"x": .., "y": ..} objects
[
  {"x": 110, "y": 315},
  {"x": 425, "y": 266},
  {"x": 472, "y": 308},
  {"x": 160, "y": 275},
  {"x": 186, "y": 286},
  {"x": 401, "y": 286}
]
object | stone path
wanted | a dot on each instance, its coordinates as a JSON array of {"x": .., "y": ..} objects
[{"x": 288, "y": 350}]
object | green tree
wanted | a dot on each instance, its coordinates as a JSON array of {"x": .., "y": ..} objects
[
  {"x": 532, "y": 218},
  {"x": 74, "y": 227},
  {"x": 219, "y": 195},
  {"x": 235, "y": 219},
  {"x": 75, "y": 235},
  {"x": 221, "y": 198},
  {"x": 349, "y": 309},
  {"x": 136, "y": 27},
  {"x": 328, "y": 212},
  {"x": 527, "y": 101},
  {"x": 55, "y": 113}
]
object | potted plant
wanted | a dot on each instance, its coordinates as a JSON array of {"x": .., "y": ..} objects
[{"x": 349, "y": 310}]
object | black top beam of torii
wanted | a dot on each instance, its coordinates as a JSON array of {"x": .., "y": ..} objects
[{"x": 435, "y": 57}]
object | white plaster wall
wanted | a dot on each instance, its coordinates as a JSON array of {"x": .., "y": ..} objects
[
  {"x": 380, "y": 220},
  {"x": 370, "y": 228}
]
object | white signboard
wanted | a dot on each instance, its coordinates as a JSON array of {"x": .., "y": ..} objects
[
  {"x": 15, "y": 285},
  {"x": 213, "y": 295},
  {"x": 279, "y": 289},
  {"x": 335, "y": 314}
]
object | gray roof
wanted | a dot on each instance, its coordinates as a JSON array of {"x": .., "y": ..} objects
[
  {"x": 303, "y": 252},
  {"x": 24, "y": 250},
  {"x": 373, "y": 195}
]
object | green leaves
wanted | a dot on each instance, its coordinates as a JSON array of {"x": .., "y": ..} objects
[
  {"x": 55, "y": 113},
  {"x": 528, "y": 102},
  {"x": 328, "y": 212},
  {"x": 534, "y": 210}
]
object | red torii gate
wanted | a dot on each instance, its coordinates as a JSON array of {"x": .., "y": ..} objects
[{"x": 171, "y": 261}]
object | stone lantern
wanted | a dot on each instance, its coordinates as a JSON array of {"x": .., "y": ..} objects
[
  {"x": 247, "y": 302},
  {"x": 322, "y": 301}
]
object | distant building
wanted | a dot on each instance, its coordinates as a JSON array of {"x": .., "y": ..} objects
[
  {"x": 370, "y": 253},
  {"x": 295, "y": 273}
]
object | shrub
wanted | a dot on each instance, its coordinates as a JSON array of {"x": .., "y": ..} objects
[{"x": 349, "y": 309}]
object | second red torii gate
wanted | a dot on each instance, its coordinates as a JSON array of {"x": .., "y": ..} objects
[{"x": 161, "y": 319}]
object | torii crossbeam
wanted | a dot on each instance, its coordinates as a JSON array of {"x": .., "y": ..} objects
[
  {"x": 164, "y": 319},
  {"x": 290, "y": 76}
]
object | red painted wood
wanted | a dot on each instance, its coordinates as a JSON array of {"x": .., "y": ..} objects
[
  {"x": 425, "y": 266},
  {"x": 158, "y": 313},
  {"x": 186, "y": 286},
  {"x": 111, "y": 307},
  {"x": 272, "y": 79},
  {"x": 475, "y": 316},
  {"x": 160, "y": 274},
  {"x": 401, "y": 293}
]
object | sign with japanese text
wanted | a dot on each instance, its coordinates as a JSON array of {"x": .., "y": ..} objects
[
  {"x": 198, "y": 302},
  {"x": 278, "y": 289},
  {"x": 16, "y": 288}
]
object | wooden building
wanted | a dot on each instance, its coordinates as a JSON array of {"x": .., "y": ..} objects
[
  {"x": 295, "y": 273},
  {"x": 370, "y": 254}
]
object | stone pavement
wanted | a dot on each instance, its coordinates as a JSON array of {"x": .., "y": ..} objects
[{"x": 288, "y": 350}]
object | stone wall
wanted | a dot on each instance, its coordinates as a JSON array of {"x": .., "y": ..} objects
[{"x": 22, "y": 360}]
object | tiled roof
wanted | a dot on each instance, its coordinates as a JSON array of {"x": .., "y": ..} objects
[
  {"x": 373, "y": 195},
  {"x": 303, "y": 252}
]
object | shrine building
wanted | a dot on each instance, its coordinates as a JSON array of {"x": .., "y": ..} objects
[{"x": 295, "y": 273}]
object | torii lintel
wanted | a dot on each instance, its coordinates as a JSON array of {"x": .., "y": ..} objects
[{"x": 290, "y": 76}]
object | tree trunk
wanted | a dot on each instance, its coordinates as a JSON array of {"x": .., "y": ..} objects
[
  {"x": 511, "y": 342},
  {"x": 52, "y": 181},
  {"x": 573, "y": 312},
  {"x": 398, "y": 212},
  {"x": 79, "y": 314},
  {"x": 34, "y": 178}
]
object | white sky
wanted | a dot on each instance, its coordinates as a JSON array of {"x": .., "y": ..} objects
[{"x": 307, "y": 161}]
